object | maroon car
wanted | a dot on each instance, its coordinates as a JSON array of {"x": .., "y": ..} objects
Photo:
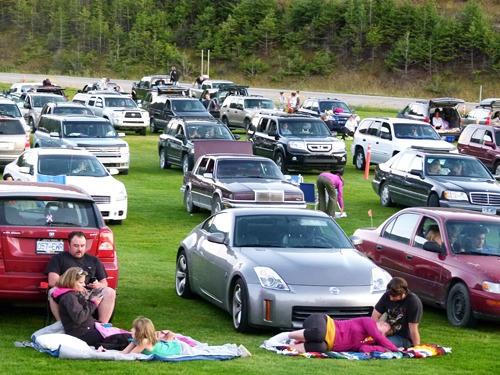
[
  {"x": 35, "y": 221},
  {"x": 483, "y": 142},
  {"x": 450, "y": 258}
]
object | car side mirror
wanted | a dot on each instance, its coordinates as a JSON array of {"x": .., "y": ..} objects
[
  {"x": 54, "y": 134},
  {"x": 417, "y": 172},
  {"x": 208, "y": 175},
  {"x": 434, "y": 247},
  {"x": 217, "y": 238},
  {"x": 490, "y": 144},
  {"x": 27, "y": 105},
  {"x": 179, "y": 136},
  {"x": 273, "y": 133},
  {"x": 25, "y": 170},
  {"x": 356, "y": 241},
  {"x": 237, "y": 137}
]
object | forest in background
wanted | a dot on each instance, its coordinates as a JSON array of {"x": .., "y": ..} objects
[{"x": 274, "y": 41}]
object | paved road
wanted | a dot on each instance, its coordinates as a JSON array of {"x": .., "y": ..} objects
[{"x": 354, "y": 101}]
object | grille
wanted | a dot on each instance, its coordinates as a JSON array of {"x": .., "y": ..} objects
[
  {"x": 321, "y": 147},
  {"x": 133, "y": 115},
  {"x": 104, "y": 151},
  {"x": 486, "y": 199},
  {"x": 100, "y": 199},
  {"x": 300, "y": 313},
  {"x": 269, "y": 196}
]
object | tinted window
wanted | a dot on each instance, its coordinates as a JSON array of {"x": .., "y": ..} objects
[
  {"x": 259, "y": 103},
  {"x": 474, "y": 237},
  {"x": 477, "y": 136},
  {"x": 415, "y": 131},
  {"x": 331, "y": 105},
  {"x": 120, "y": 102},
  {"x": 10, "y": 127},
  {"x": 401, "y": 228},
  {"x": 10, "y": 109},
  {"x": 200, "y": 131},
  {"x": 305, "y": 128},
  {"x": 40, "y": 101},
  {"x": 248, "y": 169},
  {"x": 404, "y": 163},
  {"x": 76, "y": 165}
]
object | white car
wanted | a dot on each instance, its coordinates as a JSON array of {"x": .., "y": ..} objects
[
  {"x": 74, "y": 167},
  {"x": 388, "y": 136}
]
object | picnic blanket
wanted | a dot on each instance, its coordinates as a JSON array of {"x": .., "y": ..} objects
[
  {"x": 419, "y": 351},
  {"x": 54, "y": 341}
]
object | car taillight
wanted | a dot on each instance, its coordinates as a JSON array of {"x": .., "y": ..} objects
[
  {"x": 488, "y": 119},
  {"x": 106, "y": 245},
  {"x": 427, "y": 119},
  {"x": 27, "y": 141}
]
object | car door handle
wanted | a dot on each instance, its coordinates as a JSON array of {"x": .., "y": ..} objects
[
  {"x": 379, "y": 247},
  {"x": 409, "y": 256}
]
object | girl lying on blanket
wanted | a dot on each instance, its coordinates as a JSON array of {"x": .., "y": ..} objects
[{"x": 321, "y": 334}]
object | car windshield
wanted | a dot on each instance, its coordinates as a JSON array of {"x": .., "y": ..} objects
[
  {"x": 10, "y": 109},
  {"x": 259, "y": 104},
  {"x": 289, "y": 231},
  {"x": 188, "y": 106},
  {"x": 77, "y": 110},
  {"x": 33, "y": 212},
  {"x": 204, "y": 131},
  {"x": 120, "y": 103},
  {"x": 232, "y": 169},
  {"x": 331, "y": 105},
  {"x": 89, "y": 130},
  {"x": 474, "y": 237},
  {"x": 305, "y": 128},
  {"x": 457, "y": 168},
  {"x": 40, "y": 101},
  {"x": 67, "y": 165},
  {"x": 415, "y": 131}
]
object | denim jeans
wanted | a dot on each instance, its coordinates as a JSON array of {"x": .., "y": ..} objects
[{"x": 399, "y": 341}]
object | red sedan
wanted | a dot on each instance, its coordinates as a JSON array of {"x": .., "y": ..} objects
[{"x": 450, "y": 258}]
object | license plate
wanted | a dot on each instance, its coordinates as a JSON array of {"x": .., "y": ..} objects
[
  {"x": 49, "y": 246},
  {"x": 489, "y": 210},
  {"x": 5, "y": 146}
]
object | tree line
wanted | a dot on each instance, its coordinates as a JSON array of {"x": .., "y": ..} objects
[{"x": 279, "y": 37}]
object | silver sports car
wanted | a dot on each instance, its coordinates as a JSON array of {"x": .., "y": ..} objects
[{"x": 273, "y": 268}]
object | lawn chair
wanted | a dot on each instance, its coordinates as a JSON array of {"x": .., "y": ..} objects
[{"x": 310, "y": 196}]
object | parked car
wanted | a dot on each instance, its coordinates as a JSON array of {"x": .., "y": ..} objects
[
  {"x": 220, "y": 181},
  {"x": 120, "y": 110},
  {"x": 451, "y": 275},
  {"x": 426, "y": 177},
  {"x": 273, "y": 268},
  {"x": 13, "y": 138},
  {"x": 66, "y": 108},
  {"x": 307, "y": 144},
  {"x": 146, "y": 84},
  {"x": 237, "y": 111},
  {"x": 79, "y": 168},
  {"x": 483, "y": 142},
  {"x": 424, "y": 110},
  {"x": 33, "y": 104},
  {"x": 388, "y": 136},
  {"x": 336, "y": 111},
  {"x": 34, "y": 226},
  {"x": 95, "y": 134},
  {"x": 8, "y": 107},
  {"x": 177, "y": 143},
  {"x": 20, "y": 87},
  {"x": 486, "y": 113},
  {"x": 220, "y": 94},
  {"x": 207, "y": 84},
  {"x": 95, "y": 86},
  {"x": 165, "y": 108}
]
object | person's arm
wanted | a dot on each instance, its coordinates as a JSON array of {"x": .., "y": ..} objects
[
  {"x": 414, "y": 334},
  {"x": 340, "y": 198},
  {"x": 376, "y": 315},
  {"x": 76, "y": 311},
  {"x": 129, "y": 348},
  {"x": 52, "y": 279},
  {"x": 139, "y": 347}
]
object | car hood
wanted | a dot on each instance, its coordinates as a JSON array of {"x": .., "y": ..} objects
[
  {"x": 427, "y": 143},
  {"x": 445, "y": 102},
  {"x": 467, "y": 184},
  {"x": 107, "y": 185},
  {"x": 488, "y": 265},
  {"x": 258, "y": 184},
  {"x": 93, "y": 142},
  {"x": 193, "y": 114},
  {"x": 321, "y": 267}
]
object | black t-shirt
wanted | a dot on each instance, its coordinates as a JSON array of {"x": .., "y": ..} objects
[
  {"x": 400, "y": 313},
  {"x": 62, "y": 261}
]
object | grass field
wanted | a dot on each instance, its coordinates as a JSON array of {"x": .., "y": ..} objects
[{"x": 146, "y": 245}]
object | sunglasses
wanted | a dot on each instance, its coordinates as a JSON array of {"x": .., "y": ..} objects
[{"x": 80, "y": 272}]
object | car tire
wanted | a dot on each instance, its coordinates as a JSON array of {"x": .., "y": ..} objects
[
  {"x": 188, "y": 201},
  {"x": 246, "y": 124},
  {"x": 124, "y": 172},
  {"x": 225, "y": 121},
  {"x": 433, "y": 200},
  {"x": 116, "y": 222},
  {"x": 152, "y": 126},
  {"x": 164, "y": 164},
  {"x": 279, "y": 159},
  {"x": 186, "y": 165},
  {"x": 359, "y": 159},
  {"x": 240, "y": 307},
  {"x": 385, "y": 195},
  {"x": 182, "y": 284},
  {"x": 216, "y": 205},
  {"x": 142, "y": 131},
  {"x": 458, "y": 307}
]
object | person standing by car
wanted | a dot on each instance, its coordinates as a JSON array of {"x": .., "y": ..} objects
[
  {"x": 282, "y": 101},
  {"x": 96, "y": 282},
  {"x": 174, "y": 76},
  {"x": 404, "y": 312},
  {"x": 331, "y": 184},
  {"x": 292, "y": 104}
]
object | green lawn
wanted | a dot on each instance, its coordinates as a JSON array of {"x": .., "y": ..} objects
[{"x": 146, "y": 245}]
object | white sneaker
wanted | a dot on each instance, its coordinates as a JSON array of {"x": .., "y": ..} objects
[{"x": 244, "y": 351}]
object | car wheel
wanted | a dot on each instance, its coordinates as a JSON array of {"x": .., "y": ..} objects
[
  {"x": 164, "y": 164},
  {"x": 385, "y": 195},
  {"x": 186, "y": 166},
  {"x": 152, "y": 126},
  {"x": 246, "y": 124},
  {"x": 240, "y": 307},
  {"x": 142, "y": 131},
  {"x": 124, "y": 171},
  {"x": 216, "y": 205},
  {"x": 496, "y": 169},
  {"x": 188, "y": 201},
  {"x": 224, "y": 121},
  {"x": 279, "y": 159},
  {"x": 117, "y": 222},
  {"x": 433, "y": 200},
  {"x": 182, "y": 284},
  {"x": 458, "y": 307},
  {"x": 32, "y": 125},
  {"x": 359, "y": 159}
]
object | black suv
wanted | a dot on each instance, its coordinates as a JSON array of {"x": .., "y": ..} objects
[
  {"x": 337, "y": 112},
  {"x": 176, "y": 144},
  {"x": 296, "y": 142},
  {"x": 164, "y": 108}
]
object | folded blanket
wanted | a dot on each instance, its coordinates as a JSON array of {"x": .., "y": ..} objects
[{"x": 419, "y": 351}]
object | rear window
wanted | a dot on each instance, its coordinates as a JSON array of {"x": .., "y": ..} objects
[
  {"x": 53, "y": 213},
  {"x": 11, "y": 127}
]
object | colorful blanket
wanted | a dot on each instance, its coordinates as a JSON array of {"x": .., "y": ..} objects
[{"x": 419, "y": 351}]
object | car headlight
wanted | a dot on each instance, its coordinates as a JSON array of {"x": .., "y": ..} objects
[
  {"x": 491, "y": 287},
  {"x": 269, "y": 279},
  {"x": 380, "y": 279},
  {"x": 338, "y": 146},
  {"x": 297, "y": 145},
  {"x": 455, "y": 195},
  {"x": 122, "y": 195}
]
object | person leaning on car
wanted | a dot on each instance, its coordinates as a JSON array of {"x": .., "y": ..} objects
[
  {"x": 404, "y": 312},
  {"x": 96, "y": 282}
]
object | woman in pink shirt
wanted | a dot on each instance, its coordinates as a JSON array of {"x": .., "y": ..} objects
[{"x": 331, "y": 184}]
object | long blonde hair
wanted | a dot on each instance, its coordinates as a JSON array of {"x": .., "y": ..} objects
[
  {"x": 144, "y": 330},
  {"x": 69, "y": 278}
]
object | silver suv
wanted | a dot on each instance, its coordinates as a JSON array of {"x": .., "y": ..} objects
[
  {"x": 33, "y": 103},
  {"x": 237, "y": 111},
  {"x": 13, "y": 139}
]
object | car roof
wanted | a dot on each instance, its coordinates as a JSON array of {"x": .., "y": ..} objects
[
  {"x": 436, "y": 151},
  {"x": 398, "y": 120},
  {"x": 275, "y": 211},
  {"x": 452, "y": 213},
  {"x": 78, "y": 117},
  {"x": 31, "y": 93},
  {"x": 61, "y": 151},
  {"x": 231, "y": 156},
  {"x": 199, "y": 121},
  {"x": 445, "y": 102},
  {"x": 490, "y": 102},
  {"x": 41, "y": 189},
  {"x": 5, "y": 100}
]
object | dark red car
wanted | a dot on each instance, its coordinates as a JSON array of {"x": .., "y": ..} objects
[
  {"x": 35, "y": 221},
  {"x": 450, "y": 258},
  {"x": 483, "y": 142}
]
